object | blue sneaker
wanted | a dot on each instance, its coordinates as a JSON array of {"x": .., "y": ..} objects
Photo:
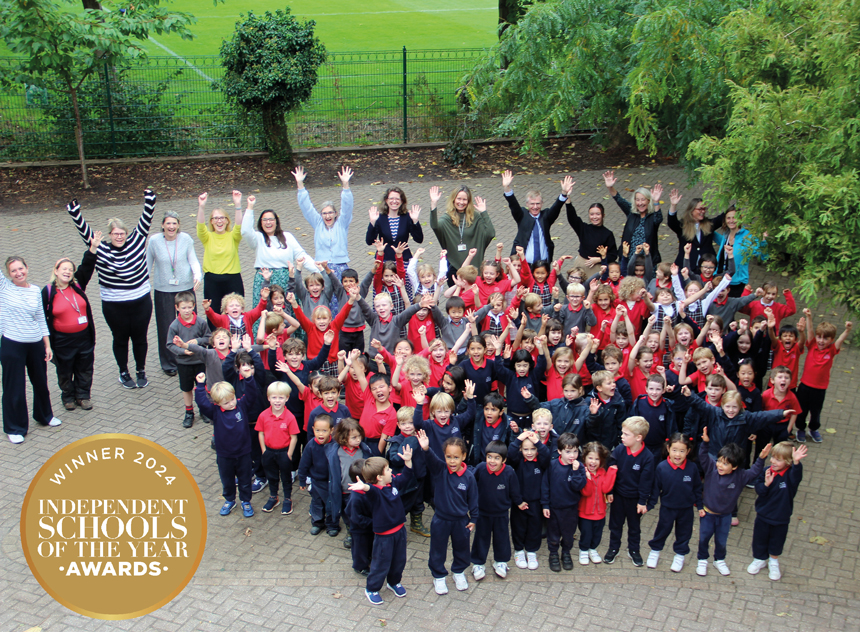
[
  {"x": 801, "y": 436},
  {"x": 258, "y": 484},
  {"x": 397, "y": 589},
  {"x": 247, "y": 510},
  {"x": 270, "y": 504},
  {"x": 373, "y": 598},
  {"x": 228, "y": 507},
  {"x": 287, "y": 507},
  {"x": 816, "y": 436}
]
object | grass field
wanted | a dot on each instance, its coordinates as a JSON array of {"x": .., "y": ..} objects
[{"x": 350, "y": 26}]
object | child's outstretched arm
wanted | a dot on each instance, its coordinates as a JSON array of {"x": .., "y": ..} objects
[{"x": 842, "y": 337}]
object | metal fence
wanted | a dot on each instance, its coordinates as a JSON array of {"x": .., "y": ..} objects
[{"x": 173, "y": 106}]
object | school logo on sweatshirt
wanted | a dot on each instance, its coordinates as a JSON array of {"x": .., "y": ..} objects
[
  {"x": 238, "y": 415},
  {"x": 635, "y": 466},
  {"x": 500, "y": 486},
  {"x": 662, "y": 417},
  {"x": 462, "y": 486},
  {"x": 537, "y": 471},
  {"x": 731, "y": 486},
  {"x": 782, "y": 485},
  {"x": 687, "y": 479},
  {"x": 394, "y": 491}
]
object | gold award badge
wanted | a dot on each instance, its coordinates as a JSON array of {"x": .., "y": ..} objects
[{"x": 113, "y": 526}]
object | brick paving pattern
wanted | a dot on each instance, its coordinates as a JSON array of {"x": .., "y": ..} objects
[{"x": 278, "y": 576}]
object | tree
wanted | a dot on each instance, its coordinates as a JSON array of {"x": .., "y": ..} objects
[
  {"x": 57, "y": 39},
  {"x": 791, "y": 154},
  {"x": 272, "y": 64}
]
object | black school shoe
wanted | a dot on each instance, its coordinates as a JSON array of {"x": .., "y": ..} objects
[
  {"x": 610, "y": 556},
  {"x": 189, "y": 419},
  {"x": 635, "y": 556},
  {"x": 347, "y": 542},
  {"x": 554, "y": 564},
  {"x": 566, "y": 560},
  {"x": 142, "y": 382},
  {"x": 315, "y": 530}
]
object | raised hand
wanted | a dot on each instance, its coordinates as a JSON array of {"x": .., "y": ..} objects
[
  {"x": 798, "y": 454},
  {"x": 299, "y": 174},
  {"x": 525, "y": 392},
  {"x": 201, "y": 199},
  {"x": 344, "y": 174},
  {"x": 507, "y": 179},
  {"x": 480, "y": 204},
  {"x": 237, "y": 198},
  {"x": 768, "y": 477},
  {"x": 328, "y": 337},
  {"x": 373, "y": 214},
  {"x": 399, "y": 249},
  {"x": 609, "y": 179},
  {"x": 675, "y": 197},
  {"x": 266, "y": 273},
  {"x": 95, "y": 241},
  {"x": 594, "y": 405},
  {"x": 435, "y": 195},
  {"x": 567, "y": 186},
  {"x": 656, "y": 192},
  {"x": 201, "y": 378},
  {"x": 414, "y": 212}
]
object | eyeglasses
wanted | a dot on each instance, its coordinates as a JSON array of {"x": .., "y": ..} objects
[
  {"x": 268, "y": 219},
  {"x": 220, "y": 218},
  {"x": 121, "y": 234},
  {"x": 327, "y": 214}
]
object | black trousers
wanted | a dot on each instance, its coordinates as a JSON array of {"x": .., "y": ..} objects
[
  {"x": 349, "y": 340},
  {"x": 768, "y": 539},
  {"x": 811, "y": 401},
  {"x": 590, "y": 533},
  {"x": 277, "y": 464},
  {"x": 74, "y": 357},
  {"x": 321, "y": 511},
  {"x": 561, "y": 528},
  {"x": 217, "y": 286},
  {"x": 15, "y": 357},
  {"x": 129, "y": 320},
  {"x": 362, "y": 548},
  {"x": 493, "y": 528},
  {"x": 231, "y": 468},
  {"x": 165, "y": 314},
  {"x": 526, "y": 527},
  {"x": 620, "y": 510},
  {"x": 682, "y": 522}
]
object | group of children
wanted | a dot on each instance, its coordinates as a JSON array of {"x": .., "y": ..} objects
[{"x": 514, "y": 414}]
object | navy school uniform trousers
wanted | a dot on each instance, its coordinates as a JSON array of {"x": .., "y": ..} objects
[
  {"x": 679, "y": 489},
  {"x": 389, "y": 535},
  {"x": 497, "y": 491},
  {"x": 456, "y": 497},
  {"x": 360, "y": 517},
  {"x": 527, "y": 524},
  {"x": 633, "y": 485},
  {"x": 774, "y": 506},
  {"x": 314, "y": 464},
  {"x": 560, "y": 494}
]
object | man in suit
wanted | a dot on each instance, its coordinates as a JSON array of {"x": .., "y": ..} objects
[{"x": 534, "y": 224}]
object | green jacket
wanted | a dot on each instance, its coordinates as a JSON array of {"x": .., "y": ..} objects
[{"x": 478, "y": 235}]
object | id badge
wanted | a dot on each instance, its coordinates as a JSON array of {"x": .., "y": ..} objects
[
  {"x": 461, "y": 248},
  {"x": 173, "y": 282},
  {"x": 82, "y": 320}
]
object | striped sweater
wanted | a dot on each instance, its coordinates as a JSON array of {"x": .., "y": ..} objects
[
  {"x": 22, "y": 318},
  {"x": 123, "y": 275}
]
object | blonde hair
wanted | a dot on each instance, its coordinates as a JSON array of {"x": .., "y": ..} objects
[
  {"x": 53, "y": 278},
  {"x": 405, "y": 413},
  {"x": 629, "y": 287},
  {"x": 441, "y": 401},
  {"x": 732, "y": 396},
  {"x": 320, "y": 310},
  {"x": 273, "y": 321},
  {"x": 116, "y": 222},
  {"x": 232, "y": 296},
  {"x": 425, "y": 268},
  {"x": 702, "y": 352},
  {"x": 563, "y": 352},
  {"x": 417, "y": 363},
  {"x": 575, "y": 288},
  {"x": 647, "y": 194},
  {"x": 637, "y": 425},
  {"x": 468, "y": 273},
  {"x": 279, "y": 388},
  {"x": 532, "y": 300},
  {"x": 470, "y": 207},
  {"x": 783, "y": 450},
  {"x": 542, "y": 413},
  {"x": 385, "y": 296},
  {"x": 688, "y": 224},
  {"x": 599, "y": 378},
  {"x": 227, "y": 228},
  {"x": 222, "y": 392}
]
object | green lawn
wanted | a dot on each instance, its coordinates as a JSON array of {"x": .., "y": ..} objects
[{"x": 350, "y": 26}]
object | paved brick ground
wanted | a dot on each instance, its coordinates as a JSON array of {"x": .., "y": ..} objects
[{"x": 280, "y": 577}]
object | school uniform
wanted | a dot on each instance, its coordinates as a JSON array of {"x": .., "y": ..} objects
[
  {"x": 456, "y": 498},
  {"x": 337, "y": 476},
  {"x": 605, "y": 425},
  {"x": 497, "y": 493},
  {"x": 814, "y": 383},
  {"x": 314, "y": 465},
  {"x": 592, "y": 508},
  {"x": 231, "y": 375},
  {"x": 560, "y": 493},
  {"x": 567, "y": 415},
  {"x": 661, "y": 422},
  {"x": 187, "y": 365},
  {"x": 633, "y": 486},
  {"x": 360, "y": 515},
  {"x": 678, "y": 488},
  {"x": 389, "y": 536},
  {"x": 338, "y": 413},
  {"x": 412, "y": 496},
  {"x": 513, "y": 383},
  {"x": 527, "y": 524},
  {"x": 722, "y": 430},
  {"x": 483, "y": 433},
  {"x": 278, "y": 432},
  {"x": 457, "y": 426},
  {"x": 482, "y": 375},
  {"x": 774, "y": 505}
]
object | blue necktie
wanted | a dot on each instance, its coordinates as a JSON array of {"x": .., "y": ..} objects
[{"x": 536, "y": 242}]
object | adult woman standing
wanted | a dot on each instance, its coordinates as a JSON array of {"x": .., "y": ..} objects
[
  {"x": 274, "y": 248},
  {"x": 393, "y": 224},
  {"x": 25, "y": 343},
  {"x": 733, "y": 241},
  {"x": 174, "y": 268},
  {"x": 222, "y": 272},
  {"x": 465, "y": 225},
  {"x": 72, "y": 329},
  {"x": 592, "y": 235},
  {"x": 641, "y": 226},
  {"x": 331, "y": 228},
  {"x": 694, "y": 229},
  {"x": 124, "y": 286}
]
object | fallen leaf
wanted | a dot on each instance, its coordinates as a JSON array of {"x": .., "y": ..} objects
[
  {"x": 783, "y": 614},
  {"x": 830, "y": 431},
  {"x": 818, "y": 540},
  {"x": 34, "y": 629},
  {"x": 337, "y": 595},
  {"x": 248, "y": 532}
]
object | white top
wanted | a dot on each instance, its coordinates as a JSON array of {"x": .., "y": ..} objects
[
  {"x": 22, "y": 318},
  {"x": 273, "y": 256}
]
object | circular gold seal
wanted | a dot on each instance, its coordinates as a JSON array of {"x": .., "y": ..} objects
[{"x": 113, "y": 526}]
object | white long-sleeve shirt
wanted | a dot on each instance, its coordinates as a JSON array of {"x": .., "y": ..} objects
[
  {"x": 22, "y": 317},
  {"x": 273, "y": 256}
]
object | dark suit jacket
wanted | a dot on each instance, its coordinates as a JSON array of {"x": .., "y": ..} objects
[
  {"x": 405, "y": 228},
  {"x": 526, "y": 223}
]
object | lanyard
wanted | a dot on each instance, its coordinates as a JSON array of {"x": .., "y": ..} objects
[
  {"x": 173, "y": 260},
  {"x": 73, "y": 304},
  {"x": 462, "y": 226}
]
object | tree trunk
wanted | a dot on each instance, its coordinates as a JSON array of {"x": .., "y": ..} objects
[
  {"x": 277, "y": 137},
  {"x": 79, "y": 135}
]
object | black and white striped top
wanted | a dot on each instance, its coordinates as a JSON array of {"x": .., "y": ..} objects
[
  {"x": 122, "y": 271},
  {"x": 22, "y": 318}
]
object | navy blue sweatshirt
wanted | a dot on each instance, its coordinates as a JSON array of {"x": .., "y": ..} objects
[
  {"x": 359, "y": 512},
  {"x": 387, "y": 503},
  {"x": 294, "y": 404},
  {"x": 752, "y": 398},
  {"x": 454, "y": 428},
  {"x": 455, "y": 493},
  {"x": 722, "y": 430},
  {"x": 482, "y": 376},
  {"x": 231, "y": 375},
  {"x": 342, "y": 412},
  {"x": 497, "y": 491},
  {"x": 562, "y": 485},
  {"x": 232, "y": 438},
  {"x": 419, "y": 460},
  {"x": 635, "y": 477},
  {"x": 314, "y": 462},
  {"x": 483, "y": 433},
  {"x": 721, "y": 493},
  {"x": 514, "y": 384},
  {"x": 605, "y": 425},
  {"x": 622, "y": 386},
  {"x": 567, "y": 415},
  {"x": 676, "y": 487},
  {"x": 775, "y": 504},
  {"x": 529, "y": 473},
  {"x": 660, "y": 418}
]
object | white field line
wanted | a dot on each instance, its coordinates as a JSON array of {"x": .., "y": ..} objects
[
  {"x": 324, "y": 15},
  {"x": 187, "y": 63}
]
